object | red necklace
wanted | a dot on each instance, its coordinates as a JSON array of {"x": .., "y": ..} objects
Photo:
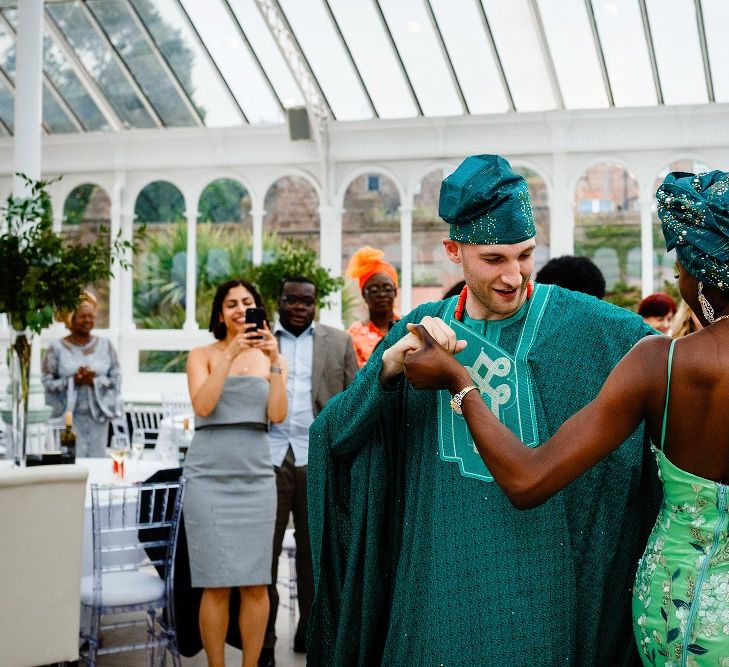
[{"x": 461, "y": 305}]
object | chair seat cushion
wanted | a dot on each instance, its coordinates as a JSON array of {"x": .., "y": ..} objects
[{"x": 124, "y": 588}]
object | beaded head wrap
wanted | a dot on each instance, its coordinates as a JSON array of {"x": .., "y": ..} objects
[
  {"x": 485, "y": 202},
  {"x": 694, "y": 213}
]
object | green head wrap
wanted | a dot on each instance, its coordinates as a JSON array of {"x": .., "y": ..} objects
[
  {"x": 694, "y": 213},
  {"x": 486, "y": 202}
]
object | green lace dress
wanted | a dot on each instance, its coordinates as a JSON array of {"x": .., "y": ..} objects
[{"x": 681, "y": 593}]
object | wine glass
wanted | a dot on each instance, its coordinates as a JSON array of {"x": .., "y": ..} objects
[
  {"x": 119, "y": 451},
  {"x": 137, "y": 444}
]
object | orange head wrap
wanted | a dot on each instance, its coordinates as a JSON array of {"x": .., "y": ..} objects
[{"x": 368, "y": 261}]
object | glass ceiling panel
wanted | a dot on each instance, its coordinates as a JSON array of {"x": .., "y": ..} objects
[
  {"x": 574, "y": 53},
  {"x": 177, "y": 41},
  {"x": 464, "y": 35},
  {"x": 375, "y": 58},
  {"x": 97, "y": 57},
  {"x": 678, "y": 52},
  {"x": 521, "y": 54},
  {"x": 53, "y": 115},
  {"x": 144, "y": 65},
  {"x": 323, "y": 49},
  {"x": 626, "y": 52},
  {"x": 415, "y": 38},
  {"x": 7, "y": 106},
  {"x": 268, "y": 52},
  {"x": 61, "y": 74},
  {"x": 234, "y": 60},
  {"x": 716, "y": 18}
]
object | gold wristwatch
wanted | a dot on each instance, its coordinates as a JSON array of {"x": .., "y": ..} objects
[{"x": 457, "y": 399}]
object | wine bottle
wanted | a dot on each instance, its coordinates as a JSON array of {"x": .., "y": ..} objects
[{"x": 68, "y": 441}]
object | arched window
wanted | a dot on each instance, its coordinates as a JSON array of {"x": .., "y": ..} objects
[
  {"x": 433, "y": 272},
  {"x": 540, "y": 208},
  {"x": 664, "y": 262},
  {"x": 160, "y": 265},
  {"x": 292, "y": 212},
  {"x": 607, "y": 226},
  {"x": 86, "y": 210},
  {"x": 371, "y": 217},
  {"x": 223, "y": 240}
]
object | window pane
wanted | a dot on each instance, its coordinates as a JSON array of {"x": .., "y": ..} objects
[
  {"x": 234, "y": 60},
  {"x": 7, "y": 106},
  {"x": 162, "y": 361},
  {"x": 716, "y": 18},
  {"x": 375, "y": 58},
  {"x": 292, "y": 211},
  {"x": 573, "y": 53},
  {"x": 181, "y": 48},
  {"x": 433, "y": 272},
  {"x": 142, "y": 62},
  {"x": 464, "y": 35},
  {"x": 86, "y": 209},
  {"x": 53, "y": 115},
  {"x": 371, "y": 217},
  {"x": 521, "y": 54},
  {"x": 328, "y": 60},
  {"x": 413, "y": 33},
  {"x": 97, "y": 57},
  {"x": 626, "y": 52},
  {"x": 160, "y": 265},
  {"x": 681, "y": 70},
  {"x": 223, "y": 239},
  {"x": 607, "y": 228}
]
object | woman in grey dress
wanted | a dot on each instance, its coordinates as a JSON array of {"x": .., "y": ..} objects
[
  {"x": 237, "y": 386},
  {"x": 81, "y": 375}
]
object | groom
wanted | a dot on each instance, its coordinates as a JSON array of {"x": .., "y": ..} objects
[{"x": 419, "y": 558}]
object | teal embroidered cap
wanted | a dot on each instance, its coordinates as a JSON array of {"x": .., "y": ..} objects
[
  {"x": 486, "y": 202},
  {"x": 694, "y": 213}
]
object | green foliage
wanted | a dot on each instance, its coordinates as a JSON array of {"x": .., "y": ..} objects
[
  {"x": 293, "y": 258},
  {"x": 75, "y": 205},
  {"x": 624, "y": 295},
  {"x": 41, "y": 271},
  {"x": 224, "y": 200},
  {"x": 159, "y": 201}
]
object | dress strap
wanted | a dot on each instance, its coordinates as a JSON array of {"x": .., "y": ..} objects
[{"x": 668, "y": 391}]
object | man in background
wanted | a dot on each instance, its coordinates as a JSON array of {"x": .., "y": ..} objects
[{"x": 322, "y": 363}]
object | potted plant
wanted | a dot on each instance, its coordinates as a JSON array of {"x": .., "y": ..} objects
[{"x": 41, "y": 272}]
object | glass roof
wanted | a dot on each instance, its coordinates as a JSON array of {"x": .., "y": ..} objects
[{"x": 115, "y": 64}]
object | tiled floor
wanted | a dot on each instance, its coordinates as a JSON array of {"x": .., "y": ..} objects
[{"x": 285, "y": 657}]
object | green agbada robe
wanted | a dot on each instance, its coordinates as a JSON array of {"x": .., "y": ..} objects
[{"x": 419, "y": 559}]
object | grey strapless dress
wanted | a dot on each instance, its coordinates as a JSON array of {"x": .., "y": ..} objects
[{"x": 230, "y": 500}]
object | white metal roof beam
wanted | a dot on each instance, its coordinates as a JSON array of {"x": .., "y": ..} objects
[
  {"x": 704, "y": 51},
  {"x": 274, "y": 17},
  {"x": 600, "y": 52},
  {"x": 345, "y": 46},
  {"x": 546, "y": 52},
  {"x": 11, "y": 86},
  {"x": 159, "y": 56},
  {"x": 391, "y": 39},
  {"x": 651, "y": 50},
  {"x": 495, "y": 52},
  {"x": 446, "y": 56},
  {"x": 126, "y": 72},
  {"x": 211, "y": 60}
]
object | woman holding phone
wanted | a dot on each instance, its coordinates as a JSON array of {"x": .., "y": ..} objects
[{"x": 237, "y": 386}]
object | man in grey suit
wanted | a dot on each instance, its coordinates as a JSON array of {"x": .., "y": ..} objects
[{"x": 322, "y": 363}]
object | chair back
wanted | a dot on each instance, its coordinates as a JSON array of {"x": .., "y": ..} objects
[
  {"x": 41, "y": 519},
  {"x": 135, "y": 526},
  {"x": 146, "y": 419},
  {"x": 176, "y": 404}
]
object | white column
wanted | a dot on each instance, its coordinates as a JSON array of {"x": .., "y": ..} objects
[
  {"x": 116, "y": 282},
  {"x": 28, "y": 93},
  {"x": 330, "y": 257},
  {"x": 406, "y": 267},
  {"x": 646, "y": 247},
  {"x": 257, "y": 215},
  {"x": 191, "y": 272},
  {"x": 561, "y": 210}
]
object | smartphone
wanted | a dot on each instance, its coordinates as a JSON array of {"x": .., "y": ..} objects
[{"x": 255, "y": 316}]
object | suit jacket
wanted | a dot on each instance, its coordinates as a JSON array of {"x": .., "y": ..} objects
[{"x": 334, "y": 365}]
